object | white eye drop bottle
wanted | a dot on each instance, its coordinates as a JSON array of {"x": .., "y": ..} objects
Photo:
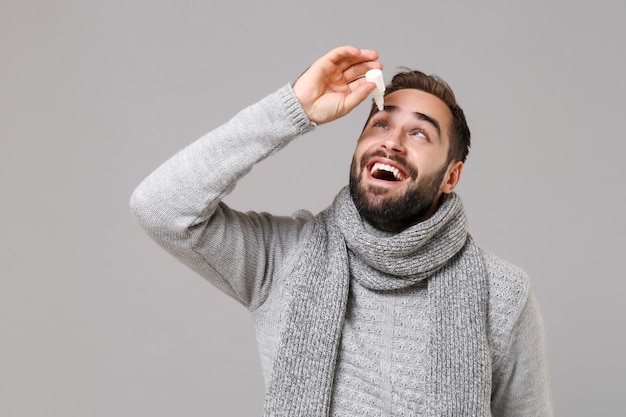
[{"x": 376, "y": 76}]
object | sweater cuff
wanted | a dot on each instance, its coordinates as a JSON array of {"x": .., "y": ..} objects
[{"x": 294, "y": 110}]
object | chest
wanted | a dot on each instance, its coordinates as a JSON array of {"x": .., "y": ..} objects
[{"x": 381, "y": 366}]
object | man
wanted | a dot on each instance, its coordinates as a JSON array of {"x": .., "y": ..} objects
[{"x": 382, "y": 304}]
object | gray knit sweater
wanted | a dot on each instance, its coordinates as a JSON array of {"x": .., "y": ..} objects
[{"x": 380, "y": 369}]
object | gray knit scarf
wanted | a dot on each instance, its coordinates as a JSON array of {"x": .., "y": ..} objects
[{"x": 439, "y": 250}]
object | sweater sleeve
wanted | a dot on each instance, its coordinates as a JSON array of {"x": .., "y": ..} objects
[
  {"x": 521, "y": 382},
  {"x": 520, "y": 385},
  {"x": 179, "y": 205}
]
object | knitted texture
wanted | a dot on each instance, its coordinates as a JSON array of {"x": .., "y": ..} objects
[
  {"x": 303, "y": 372},
  {"x": 459, "y": 377},
  {"x": 460, "y": 373},
  {"x": 382, "y": 364},
  {"x": 249, "y": 256}
]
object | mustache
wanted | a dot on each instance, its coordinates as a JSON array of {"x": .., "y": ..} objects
[{"x": 398, "y": 159}]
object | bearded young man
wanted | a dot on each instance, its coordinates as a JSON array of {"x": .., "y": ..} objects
[{"x": 382, "y": 304}]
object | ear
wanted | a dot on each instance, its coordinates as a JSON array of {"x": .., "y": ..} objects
[{"x": 452, "y": 177}]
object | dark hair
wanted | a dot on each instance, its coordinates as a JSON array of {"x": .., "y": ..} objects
[{"x": 432, "y": 84}]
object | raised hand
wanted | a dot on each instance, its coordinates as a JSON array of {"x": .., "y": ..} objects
[{"x": 335, "y": 83}]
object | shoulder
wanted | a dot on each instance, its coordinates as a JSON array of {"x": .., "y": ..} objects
[
  {"x": 509, "y": 288},
  {"x": 508, "y": 283}
]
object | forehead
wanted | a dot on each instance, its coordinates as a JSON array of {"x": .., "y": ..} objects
[{"x": 416, "y": 101}]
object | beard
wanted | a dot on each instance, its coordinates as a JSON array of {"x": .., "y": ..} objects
[{"x": 394, "y": 213}]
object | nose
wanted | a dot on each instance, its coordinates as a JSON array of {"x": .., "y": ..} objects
[{"x": 394, "y": 142}]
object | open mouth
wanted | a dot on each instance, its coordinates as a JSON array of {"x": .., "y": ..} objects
[{"x": 386, "y": 172}]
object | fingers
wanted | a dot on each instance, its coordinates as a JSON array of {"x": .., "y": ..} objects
[
  {"x": 351, "y": 61},
  {"x": 359, "y": 93},
  {"x": 358, "y": 70},
  {"x": 334, "y": 84},
  {"x": 345, "y": 56}
]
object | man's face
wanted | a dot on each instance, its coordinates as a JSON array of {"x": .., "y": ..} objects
[{"x": 399, "y": 168}]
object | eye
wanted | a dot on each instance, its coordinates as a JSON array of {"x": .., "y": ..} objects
[
  {"x": 419, "y": 134},
  {"x": 380, "y": 124}
]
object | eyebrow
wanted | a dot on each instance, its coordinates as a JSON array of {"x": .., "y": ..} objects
[{"x": 419, "y": 116}]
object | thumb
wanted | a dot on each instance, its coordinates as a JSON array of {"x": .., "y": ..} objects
[{"x": 358, "y": 95}]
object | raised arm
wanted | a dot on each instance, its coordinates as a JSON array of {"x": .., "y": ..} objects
[{"x": 179, "y": 204}]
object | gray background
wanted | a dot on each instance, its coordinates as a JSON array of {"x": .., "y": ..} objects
[{"x": 95, "y": 319}]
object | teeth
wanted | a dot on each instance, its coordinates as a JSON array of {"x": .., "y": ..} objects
[{"x": 384, "y": 167}]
